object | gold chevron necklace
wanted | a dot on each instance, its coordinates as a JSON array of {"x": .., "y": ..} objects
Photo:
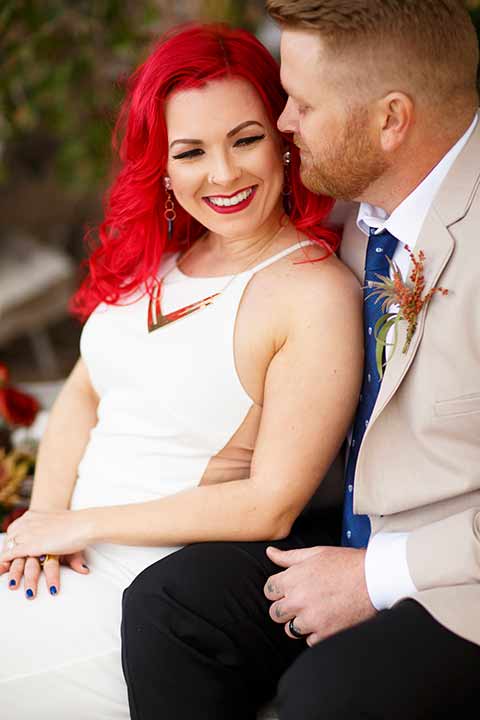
[{"x": 157, "y": 319}]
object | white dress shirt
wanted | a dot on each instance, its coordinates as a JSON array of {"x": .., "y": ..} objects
[{"x": 386, "y": 569}]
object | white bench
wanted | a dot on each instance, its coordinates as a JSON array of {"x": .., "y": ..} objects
[{"x": 36, "y": 283}]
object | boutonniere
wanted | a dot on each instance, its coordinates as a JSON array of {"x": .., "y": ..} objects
[{"x": 407, "y": 296}]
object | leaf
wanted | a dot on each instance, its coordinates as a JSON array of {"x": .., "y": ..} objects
[
  {"x": 382, "y": 327},
  {"x": 383, "y": 289}
]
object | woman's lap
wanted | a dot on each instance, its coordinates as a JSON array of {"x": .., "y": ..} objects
[
  {"x": 50, "y": 631},
  {"x": 62, "y": 652},
  {"x": 89, "y": 687}
]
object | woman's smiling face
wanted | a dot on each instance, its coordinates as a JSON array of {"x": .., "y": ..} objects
[{"x": 224, "y": 157}]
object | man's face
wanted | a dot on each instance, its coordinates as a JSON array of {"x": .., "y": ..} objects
[{"x": 340, "y": 152}]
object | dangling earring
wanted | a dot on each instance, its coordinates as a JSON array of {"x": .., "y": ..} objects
[
  {"x": 169, "y": 212},
  {"x": 287, "y": 188}
]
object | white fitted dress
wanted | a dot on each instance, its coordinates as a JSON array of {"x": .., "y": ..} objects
[{"x": 170, "y": 400}]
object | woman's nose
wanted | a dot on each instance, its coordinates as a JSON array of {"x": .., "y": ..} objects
[{"x": 224, "y": 171}]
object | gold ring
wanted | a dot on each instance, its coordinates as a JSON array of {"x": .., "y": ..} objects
[{"x": 45, "y": 558}]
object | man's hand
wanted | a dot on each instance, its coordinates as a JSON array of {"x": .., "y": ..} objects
[{"x": 323, "y": 588}]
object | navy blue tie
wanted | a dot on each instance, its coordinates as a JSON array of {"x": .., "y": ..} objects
[{"x": 356, "y": 528}]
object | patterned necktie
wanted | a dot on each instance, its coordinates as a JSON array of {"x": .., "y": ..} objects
[{"x": 356, "y": 528}]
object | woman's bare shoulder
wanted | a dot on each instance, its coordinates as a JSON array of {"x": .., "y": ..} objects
[
  {"x": 311, "y": 273},
  {"x": 310, "y": 290}
]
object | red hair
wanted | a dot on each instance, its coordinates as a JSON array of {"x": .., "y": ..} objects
[{"x": 133, "y": 235}]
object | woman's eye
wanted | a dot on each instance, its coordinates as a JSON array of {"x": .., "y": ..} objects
[
  {"x": 197, "y": 152},
  {"x": 188, "y": 154},
  {"x": 249, "y": 140}
]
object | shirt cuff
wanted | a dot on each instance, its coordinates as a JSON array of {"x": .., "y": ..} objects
[{"x": 386, "y": 570}]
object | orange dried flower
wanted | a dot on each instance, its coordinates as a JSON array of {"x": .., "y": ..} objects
[{"x": 408, "y": 296}]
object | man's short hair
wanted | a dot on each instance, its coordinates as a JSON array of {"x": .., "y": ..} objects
[{"x": 430, "y": 43}]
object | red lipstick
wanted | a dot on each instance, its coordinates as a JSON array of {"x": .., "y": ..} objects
[{"x": 229, "y": 209}]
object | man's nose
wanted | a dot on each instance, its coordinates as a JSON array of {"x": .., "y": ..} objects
[{"x": 288, "y": 120}]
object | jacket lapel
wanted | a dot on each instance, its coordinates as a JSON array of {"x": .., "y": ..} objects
[
  {"x": 438, "y": 245},
  {"x": 449, "y": 206}
]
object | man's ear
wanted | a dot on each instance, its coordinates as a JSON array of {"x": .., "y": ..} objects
[{"x": 396, "y": 115}]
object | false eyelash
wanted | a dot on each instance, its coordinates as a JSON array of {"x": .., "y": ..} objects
[
  {"x": 249, "y": 140},
  {"x": 188, "y": 154},
  {"x": 239, "y": 143}
]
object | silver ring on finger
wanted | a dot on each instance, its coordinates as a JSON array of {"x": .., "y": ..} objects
[
  {"x": 294, "y": 630},
  {"x": 11, "y": 542}
]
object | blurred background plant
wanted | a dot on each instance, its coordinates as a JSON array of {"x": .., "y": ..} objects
[
  {"x": 17, "y": 460},
  {"x": 59, "y": 64}
]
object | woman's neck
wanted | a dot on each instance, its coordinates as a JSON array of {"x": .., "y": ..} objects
[{"x": 214, "y": 254}]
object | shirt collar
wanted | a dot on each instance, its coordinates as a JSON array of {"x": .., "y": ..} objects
[{"x": 407, "y": 219}]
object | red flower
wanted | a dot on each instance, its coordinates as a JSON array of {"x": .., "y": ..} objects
[
  {"x": 17, "y": 408},
  {"x": 11, "y": 517}
]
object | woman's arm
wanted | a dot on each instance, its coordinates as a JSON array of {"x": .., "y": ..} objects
[
  {"x": 72, "y": 417},
  {"x": 311, "y": 392}
]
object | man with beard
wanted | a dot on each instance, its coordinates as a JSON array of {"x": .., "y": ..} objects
[{"x": 383, "y": 103}]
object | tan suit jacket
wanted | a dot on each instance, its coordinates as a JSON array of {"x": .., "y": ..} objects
[{"x": 418, "y": 468}]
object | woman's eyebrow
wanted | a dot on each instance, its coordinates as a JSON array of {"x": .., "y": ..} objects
[
  {"x": 231, "y": 133},
  {"x": 187, "y": 141},
  {"x": 243, "y": 125}
]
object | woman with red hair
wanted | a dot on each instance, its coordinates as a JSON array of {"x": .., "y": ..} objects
[{"x": 219, "y": 371}]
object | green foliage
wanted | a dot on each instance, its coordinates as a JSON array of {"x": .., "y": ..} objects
[
  {"x": 60, "y": 63},
  {"x": 239, "y": 13}
]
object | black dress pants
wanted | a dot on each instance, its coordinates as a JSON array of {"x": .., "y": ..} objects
[{"x": 199, "y": 644}]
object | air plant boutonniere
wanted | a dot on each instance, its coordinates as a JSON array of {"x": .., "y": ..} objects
[{"x": 393, "y": 292}]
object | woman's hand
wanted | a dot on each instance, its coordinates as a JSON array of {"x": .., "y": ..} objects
[
  {"x": 30, "y": 569},
  {"x": 54, "y": 533}
]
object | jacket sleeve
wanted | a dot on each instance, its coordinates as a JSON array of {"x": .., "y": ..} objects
[{"x": 446, "y": 552}]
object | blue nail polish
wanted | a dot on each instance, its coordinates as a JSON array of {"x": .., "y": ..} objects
[
  {"x": 53, "y": 590},
  {"x": 85, "y": 566},
  {"x": 12, "y": 583},
  {"x": 29, "y": 593}
]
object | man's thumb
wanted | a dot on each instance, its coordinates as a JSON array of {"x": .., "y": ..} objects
[{"x": 286, "y": 558}]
